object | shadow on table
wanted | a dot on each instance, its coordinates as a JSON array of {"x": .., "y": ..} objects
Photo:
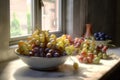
[{"x": 62, "y": 72}]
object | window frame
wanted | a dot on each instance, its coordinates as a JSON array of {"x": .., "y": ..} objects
[{"x": 37, "y": 20}]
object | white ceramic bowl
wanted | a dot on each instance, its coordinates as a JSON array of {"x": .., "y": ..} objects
[{"x": 42, "y": 63}]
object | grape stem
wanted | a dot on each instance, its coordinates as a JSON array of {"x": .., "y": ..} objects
[{"x": 72, "y": 59}]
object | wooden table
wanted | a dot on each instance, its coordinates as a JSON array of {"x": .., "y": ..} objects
[{"x": 17, "y": 70}]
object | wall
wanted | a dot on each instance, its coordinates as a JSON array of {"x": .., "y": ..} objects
[
  {"x": 102, "y": 15},
  {"x": 5, "y": 53},
  {"x": 76, "y": 12},
  {"x": 118, "y": 23}
]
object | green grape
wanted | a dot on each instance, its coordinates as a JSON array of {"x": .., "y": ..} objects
[
  {"x": 53, "y": 36},
  {"x": 36, "y": 32},
  {"x": 42, "y": 39},
  {"x": 58, "y": 39},
  {"x": 49, "y": 45},
  {"x": 85, "y": 45},
  {"x": 53, "y": 41},
  {"x": 66, "y": 42},
  {"x": 100, "y": 55},
  {"x": 96, "y": 60},
  {"x": 60, "y": 45},
  {"x": 29, "y": 46},
  {"x": 24, "y": 49},
  {"x": 50, "y": 39},
  {"x": 91, "y": 49},
  {"x": 63, "y": 37},
  {"x": 70, "y": 49},
  {"x": 105, "y": 56},
  {"x": 41, "y": 35},
  {"x": 75, "y": 66},
  {"x": 37, "y": 42},
  {"x": 36, "y": 37}
]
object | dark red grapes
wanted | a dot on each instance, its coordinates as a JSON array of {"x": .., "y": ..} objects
[{"x": 46, "y": 52}]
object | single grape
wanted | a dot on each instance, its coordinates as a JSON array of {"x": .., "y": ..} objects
[
  {"x": 41, "y": 35},
  {"x": 84, "y": 54},
  {"x": 42, "y": 39},
  {"x": 96, "y": 34},
  {"x": 105, "y": 56},
  {"x": 97, "y": 38},
  {"x": 53, "y": 36},
  {"x": 56, "y": 54},
  {"x": 100, "y": 54},
  {"x": 51, "y": 51},
  {"x": 53, "y": 41},
  {"x": 48, "y": 55},
  {"x": 85, "y": 45},
  {"x": 91, "y": 55},
  {"x": 37, "y": 42},
  {"x": 31, "y": 53},
  {"x": 35, "y": 50},
  {"x": 75, "y": 66},
  {"x": 20, "y": 43},
  {"x": 63, "y": 37},
  {"x": 47, "y": 50},
  {"x": 36, "y": 37},
  {"x": 80, "y": 58},
  {"x": 77, "y": 45},
  {"x": 49, "y": 45},
  {"x": 90, "y": 60},
  {"x": 104, "y": 49},
  {"x": 29, "y": 47},
  {"x": 96, "y": 60},
  {"x": 85, "y": 60},
  {"x": 66, "y": 42}
]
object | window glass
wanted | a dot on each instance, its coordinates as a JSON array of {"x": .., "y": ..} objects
[
  {"x": 20, "y": 18},
  {"x": 51, "y": 15}
]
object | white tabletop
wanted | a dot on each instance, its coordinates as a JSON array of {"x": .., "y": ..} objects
[{"x": 17, "y": 70}]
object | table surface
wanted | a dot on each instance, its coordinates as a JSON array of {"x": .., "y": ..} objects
[{"x": 17, "y": 70}]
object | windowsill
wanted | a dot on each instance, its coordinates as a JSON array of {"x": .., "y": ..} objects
[{"x": 17, "y": 70}]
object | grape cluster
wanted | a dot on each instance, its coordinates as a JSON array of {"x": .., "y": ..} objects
[
  {"x": 101, "y": 51},
  {"x": 101, "y": 36},
  {"x": 86, "y": 53},
  {"x": 92, "y": 53},
  {"x": 43, "y": 44}
]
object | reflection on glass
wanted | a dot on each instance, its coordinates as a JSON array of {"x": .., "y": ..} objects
[{"x": 50, "y": 15}]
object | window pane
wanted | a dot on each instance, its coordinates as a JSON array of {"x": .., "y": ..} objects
[
  {"x": 20, "y": 18},
  {"x": 51, "y": 15}
]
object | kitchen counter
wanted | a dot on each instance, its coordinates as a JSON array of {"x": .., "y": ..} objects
[{"x": 17, "y": 70}]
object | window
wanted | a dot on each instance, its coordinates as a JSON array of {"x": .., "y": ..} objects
[
  {"x": 20, "y": 18},
  {"x": 24, "y": 16},
  {"x": 51, "y": 13}
]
